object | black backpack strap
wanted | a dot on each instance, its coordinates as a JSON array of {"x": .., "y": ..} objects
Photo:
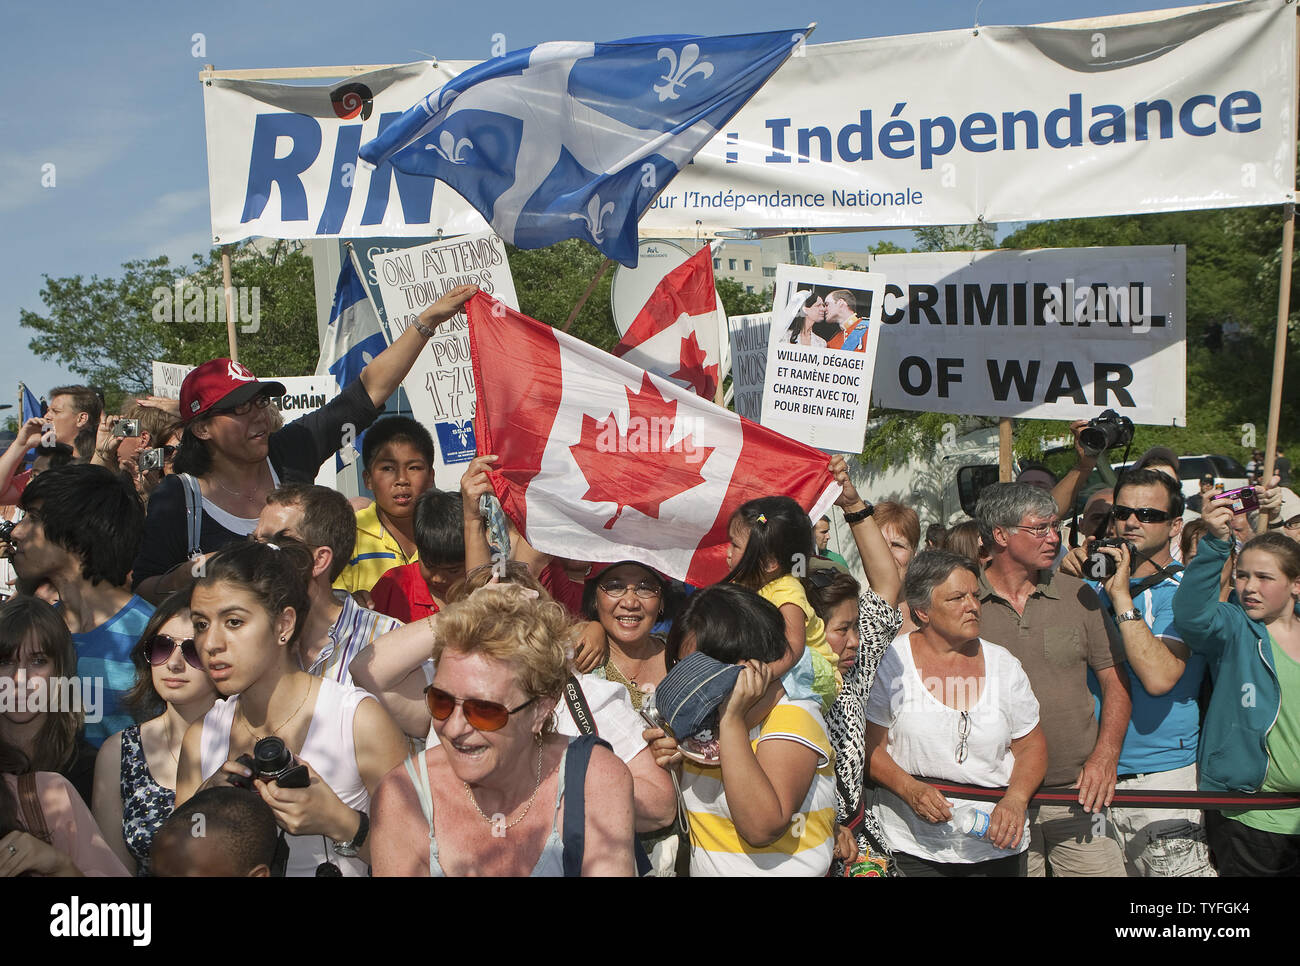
[{"x": 574, "y": 833}]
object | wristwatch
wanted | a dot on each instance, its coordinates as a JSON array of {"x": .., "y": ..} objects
[
  {"x": 858, "y": 515},
  {"x": 349, "y": 849},
  {"x": 423, "y": 329},
  {"x": 1128, "y": 615}
]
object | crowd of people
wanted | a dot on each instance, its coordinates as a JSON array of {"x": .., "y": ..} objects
[{"x": 195, "y": 634}]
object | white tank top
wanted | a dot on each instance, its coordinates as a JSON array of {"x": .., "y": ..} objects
[{"x": 329, "y": 749}]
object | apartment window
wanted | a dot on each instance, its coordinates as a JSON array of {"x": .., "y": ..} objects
[
  {"x": 731, "y": 264},
  {"x": 749, "y": 289},
  {"x": 717, "y": 264},
  {"x": 769, "y": 273},
  {"x": 749, "y": 266}
]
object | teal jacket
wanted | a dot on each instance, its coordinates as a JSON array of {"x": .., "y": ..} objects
[{"x": 1246, "y": 699}]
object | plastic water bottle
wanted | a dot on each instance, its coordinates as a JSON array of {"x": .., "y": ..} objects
[{"x": 971, "y": 821}]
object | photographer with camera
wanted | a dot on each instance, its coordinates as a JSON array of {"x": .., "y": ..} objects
[
  {"x": 1053, "y": 624},
  {"x": 1136, "y": 577},
  {"x": 313, "y": 749}
]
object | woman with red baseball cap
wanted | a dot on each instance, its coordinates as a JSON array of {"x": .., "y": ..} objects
[{"x": 231, "y": 459}]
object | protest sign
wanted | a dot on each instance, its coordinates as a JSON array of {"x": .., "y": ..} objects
[
  {"x": 1163, "y": 111},
  {"x": 167, "y": 379},
  {"x": 821, "y": 352},
  {"x": 440, "y": 386},
  {"x": 1046, "y": 334},
  {"x": 749, "y": 337}
]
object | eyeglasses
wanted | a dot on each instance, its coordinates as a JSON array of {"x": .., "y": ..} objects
[
  {"x": 616, "y": 590},
  {"x": 1042, "y": 530},
  {"x": 169, "y": 452},
  {"x": 160, "y": 649},
  {"x": 963, "y": 732},
  {"x": 244, "y": 408},
  {"x": 1293, "y": 523},
  {"x": 482, "y": 715},
  {"x": 1145, "y": 514}
]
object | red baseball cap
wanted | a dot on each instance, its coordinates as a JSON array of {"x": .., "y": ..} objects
[{"x": 221, "y": 382}]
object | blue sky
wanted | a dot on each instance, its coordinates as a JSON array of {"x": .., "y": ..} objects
[{"x": 108, "y": 93}]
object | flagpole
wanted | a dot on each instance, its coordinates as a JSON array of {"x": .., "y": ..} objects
[
  {"x": 361, "y": 277},
  {"x": 231, "y": 338},
  {"x": 604, "y": 266},
  {"x": 1004, "y": 450}
]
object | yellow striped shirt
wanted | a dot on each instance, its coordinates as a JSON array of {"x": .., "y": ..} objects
[{"x": 805, "y": 849}]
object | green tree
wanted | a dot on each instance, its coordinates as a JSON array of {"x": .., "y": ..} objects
[
  {"x": 955, "y": 238},
  {"x": 736, "y": 301},
  {"x": 109, "y": 330},
  {"x": 549, "y": 282}
]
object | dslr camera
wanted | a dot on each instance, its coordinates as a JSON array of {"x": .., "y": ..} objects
[
  {"x": 1101, "y": 566},
  {"x": 1106, "y": 431},
  {"x": 272, "y": 761},
  {"x": 6, "y": 530}
]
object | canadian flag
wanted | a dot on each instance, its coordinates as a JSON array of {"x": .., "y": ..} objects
[
  {"x": 675, "y": 334},
  {"x": 601, "y": 460}
]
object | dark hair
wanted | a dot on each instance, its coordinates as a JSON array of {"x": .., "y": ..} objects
[
  {"x": 327, "y": 520},
  {"x": 60, "y": 454},
  {"x": 1146, "y": 477},
  {"x": 928, "y": 570},
  {"x": 92, "y": 512},
  {"x": 1284, "y": 550},
  {"x": 936, "y": 533},
  {"x": 1190, "y": 539},
  {"x": 236, "y": 822},
  {"x": 143, "y": 700},
  {"x": 277, "y": 574},
  {"x": 964, "y": 539},
  {"x": 85, "y": 399},
  {"x": 827, "y": 588},
  {"x": 440, "y": 528},
  {"x": 193, "y": 456},
  {"x": 779, "y": 531},
  {"x": 731, "y": 624},
  {"x": 395, "y": 429},
  {"x": 24, "y": 617}
]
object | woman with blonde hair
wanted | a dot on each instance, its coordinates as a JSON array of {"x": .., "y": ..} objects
[{"x": 475, "y": 802}]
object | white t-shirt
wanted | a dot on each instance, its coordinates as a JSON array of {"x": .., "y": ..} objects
[
  {"x": 924, "y": 734},
  {"x": 616, "y": 720}
]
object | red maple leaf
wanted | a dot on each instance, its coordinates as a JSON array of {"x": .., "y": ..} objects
[
  {"x": 634, "y": 466},
  {"x": 703, "y": 379}
]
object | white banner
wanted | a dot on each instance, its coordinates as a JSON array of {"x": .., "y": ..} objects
[
  {"x": 821, "y": 355},
  {"x": 440, "y": 386},
  {"x": 282, "y": 159},
  {"x": 1163, "y": 111},
  {"x": 302, "y": 395},
  {"x": 1057, "y": 333}
]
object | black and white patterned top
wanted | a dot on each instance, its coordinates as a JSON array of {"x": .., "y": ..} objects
[
  {"x": 878, "y": 625},
  {"x": 145, "y": 803}
]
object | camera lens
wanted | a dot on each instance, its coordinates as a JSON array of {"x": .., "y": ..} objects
[{"x": 271, "y": 756}]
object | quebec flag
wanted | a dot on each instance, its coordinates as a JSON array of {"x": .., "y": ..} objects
[
  {"x": 575, "y": 140},
  {"x": 353, "y": 338},
  {"x": 31, "y": 407}
]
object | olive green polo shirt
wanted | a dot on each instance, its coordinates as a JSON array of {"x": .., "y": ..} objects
[{"x": 1061, "y": 634}]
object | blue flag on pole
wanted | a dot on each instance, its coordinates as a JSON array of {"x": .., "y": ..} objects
[
  {"x": 31, "y": 406},
  {"x": 353, "y": 338},
  {"x": 575, "y": 140}
]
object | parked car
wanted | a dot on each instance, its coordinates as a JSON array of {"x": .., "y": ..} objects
[{"x": 1226, "y": 470}]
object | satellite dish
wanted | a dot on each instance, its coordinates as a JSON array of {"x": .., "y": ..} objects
[{"x": 631, "y": 287}]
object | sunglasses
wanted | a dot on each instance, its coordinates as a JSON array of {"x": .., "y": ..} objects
[
  {"x": 170, "y": 451},
  {"x": 482, "y": 715},
  {"x": 160, "y": 649},
  {"x": 1145, "y": 514}
]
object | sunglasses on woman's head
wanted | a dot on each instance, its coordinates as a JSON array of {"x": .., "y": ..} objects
[
  {"x": 482, "y": 715},
  {"x": 160, "y": 648}
]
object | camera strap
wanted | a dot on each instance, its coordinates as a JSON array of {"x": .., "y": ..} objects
[
  {"x": 578, "y": 707},
  {"x": 193, "y": 514}
]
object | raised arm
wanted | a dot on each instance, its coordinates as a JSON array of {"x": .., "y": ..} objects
[
  {"x": 391, "y": 669},
  {"x": 386, "y": 371},
  {"x": 882, "y": 574}
]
